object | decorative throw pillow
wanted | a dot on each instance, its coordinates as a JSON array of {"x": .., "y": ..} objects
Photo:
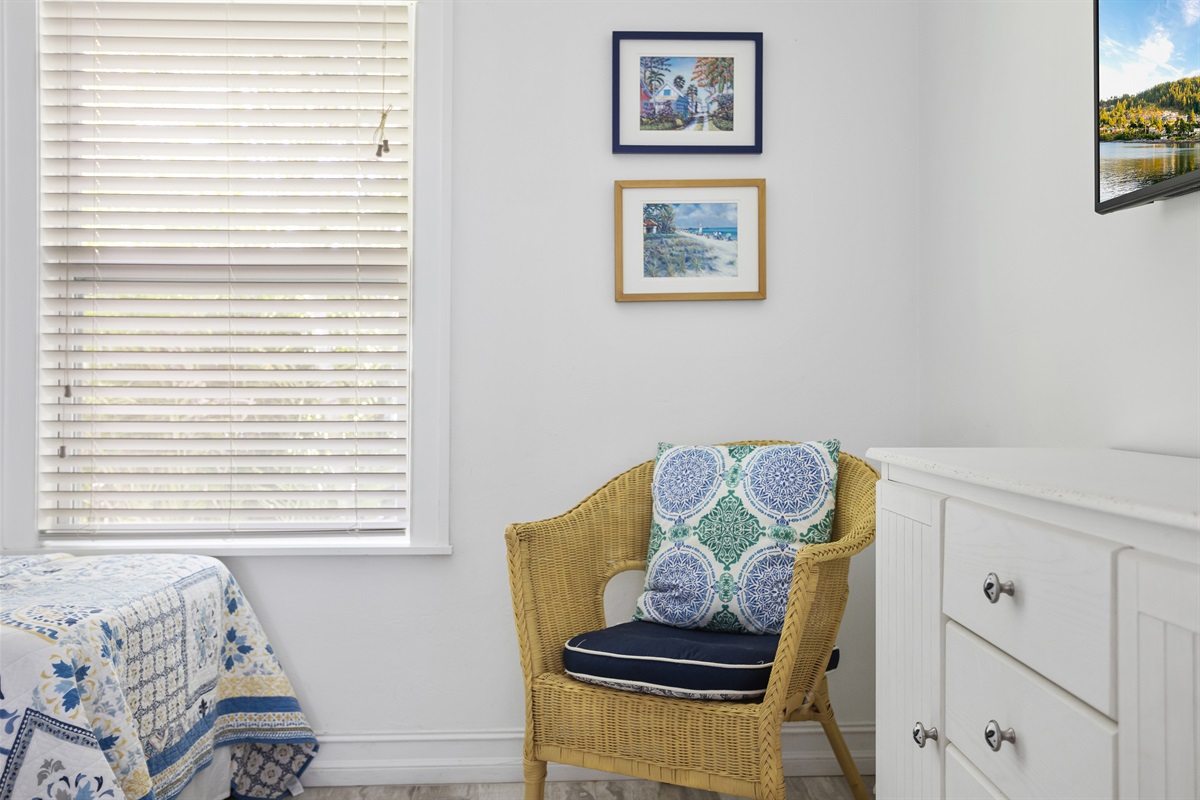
[{"x": 728, "y": 522}]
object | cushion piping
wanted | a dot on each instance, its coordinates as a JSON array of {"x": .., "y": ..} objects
[{"x": 610, "y": 654}]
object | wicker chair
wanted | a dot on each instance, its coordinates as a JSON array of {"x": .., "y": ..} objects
[{"x": 558, "y": 569}]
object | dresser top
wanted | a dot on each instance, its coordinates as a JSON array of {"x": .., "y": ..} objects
[{"x": 1155, "y": 488}]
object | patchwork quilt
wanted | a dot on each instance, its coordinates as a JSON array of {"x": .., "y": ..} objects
[{"x": 120, "y": 674}]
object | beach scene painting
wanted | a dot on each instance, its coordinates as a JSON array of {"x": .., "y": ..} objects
[
  {"x": 690, "y": 240},
  {"x": 1149, "y": 98},
  {"x": 686, "y": 93}
]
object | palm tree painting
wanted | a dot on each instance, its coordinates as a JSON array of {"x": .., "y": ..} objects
[
  {"x": 689, "y": 240},
  {"x": 686, "y": 93}
]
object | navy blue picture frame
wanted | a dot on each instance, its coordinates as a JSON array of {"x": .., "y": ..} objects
[{"x": 618, "y": 146}]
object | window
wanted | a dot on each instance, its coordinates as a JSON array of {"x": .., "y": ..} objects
[{"x": 225, "y": 296}]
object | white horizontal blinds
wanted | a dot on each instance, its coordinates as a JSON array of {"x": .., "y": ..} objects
[{"x": 225, "y": 284}]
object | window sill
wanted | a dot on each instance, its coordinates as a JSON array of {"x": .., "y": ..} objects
[{"x": 247, "y": 546}]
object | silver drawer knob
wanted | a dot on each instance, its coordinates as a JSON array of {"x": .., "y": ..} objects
[
  {"x": 993, "y": 588},
  {"x": 996, "y": 737},
  {"x": 921, "y": 734}
]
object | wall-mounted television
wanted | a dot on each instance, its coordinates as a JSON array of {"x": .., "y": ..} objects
[{"x": 1147, "y": 101}]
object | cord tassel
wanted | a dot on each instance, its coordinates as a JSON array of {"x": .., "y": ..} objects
[{"x": 380, "y": 134}]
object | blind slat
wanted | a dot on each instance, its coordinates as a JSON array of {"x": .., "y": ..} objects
[{"x": 147, "y": 446}]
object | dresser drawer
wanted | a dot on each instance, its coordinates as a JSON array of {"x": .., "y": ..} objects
[
  {"x": 1062, "y": 747},
  {"x": 964, "y": 781},
  {"x": 1059, "y": 619}
]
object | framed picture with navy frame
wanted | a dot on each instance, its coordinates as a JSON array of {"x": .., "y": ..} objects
[{"x": 677, "y": 92}]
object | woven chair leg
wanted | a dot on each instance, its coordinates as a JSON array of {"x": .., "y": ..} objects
[
  {"x": 773, "y": 788},
  {"x": 824, "y": 711},
  {"x": 535, "y": 779}
]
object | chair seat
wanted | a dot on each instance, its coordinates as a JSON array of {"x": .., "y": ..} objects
[{"x": 674, "y": 662}]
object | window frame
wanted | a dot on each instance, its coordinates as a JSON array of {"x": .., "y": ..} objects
[{"x": 429, "y": 523}]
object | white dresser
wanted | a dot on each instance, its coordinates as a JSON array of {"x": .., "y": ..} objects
[{"x": 1037, "y": 624}]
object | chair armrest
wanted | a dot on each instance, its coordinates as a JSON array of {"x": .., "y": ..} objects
[
  {"x": 558, "y": 567},
  {"x": 819, "y": 589}
]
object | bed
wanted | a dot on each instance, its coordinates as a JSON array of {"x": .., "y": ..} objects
[{"x": 121, "y": 674}]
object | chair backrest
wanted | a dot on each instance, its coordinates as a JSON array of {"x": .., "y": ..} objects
[{"x": 575, "y": 554}]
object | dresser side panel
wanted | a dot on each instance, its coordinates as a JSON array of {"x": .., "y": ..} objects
[{"x": 1158, "y": 691}]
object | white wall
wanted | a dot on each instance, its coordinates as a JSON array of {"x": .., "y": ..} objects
[
  {"x": 1042, "y": 323},
  {"x": 408, "y": 666}
]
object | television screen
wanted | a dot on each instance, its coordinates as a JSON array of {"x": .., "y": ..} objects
[{"x": 1147, "y": 101}]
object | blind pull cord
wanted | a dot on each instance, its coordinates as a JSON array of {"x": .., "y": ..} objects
[{"x": 380, "y": 135}]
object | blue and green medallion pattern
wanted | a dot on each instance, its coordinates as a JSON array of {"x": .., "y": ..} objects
[
  {"x": 728, "y": 522},
  {"x": 685, "y": 583}
]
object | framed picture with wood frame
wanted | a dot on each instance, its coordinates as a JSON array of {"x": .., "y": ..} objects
[
  {"x": 691, "y": 240},
  {"x": 679, "y": 92}
]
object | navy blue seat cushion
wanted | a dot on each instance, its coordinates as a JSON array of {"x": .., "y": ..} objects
[{"x": 675, "y": 662}]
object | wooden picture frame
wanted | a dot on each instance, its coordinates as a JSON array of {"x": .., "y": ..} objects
[
  {"x": 675, "y": 92},
  {"x": 691, "y": 239}
]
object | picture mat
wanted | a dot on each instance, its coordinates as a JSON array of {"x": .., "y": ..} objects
[
  {"x": 744, "y": 85},
  {"x": 633, "y": 278}
]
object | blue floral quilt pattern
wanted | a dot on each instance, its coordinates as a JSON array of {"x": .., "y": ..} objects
[{"x": 120, "y": 674}]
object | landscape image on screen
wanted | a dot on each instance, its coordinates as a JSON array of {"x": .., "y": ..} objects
[
  {"x": 686, "y": 93},
  {"x": 1149, "y": 92},
  {"x": 689, "y": 240}
]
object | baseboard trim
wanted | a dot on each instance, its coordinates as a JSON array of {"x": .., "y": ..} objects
[{"x": 494, "y": 756}]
